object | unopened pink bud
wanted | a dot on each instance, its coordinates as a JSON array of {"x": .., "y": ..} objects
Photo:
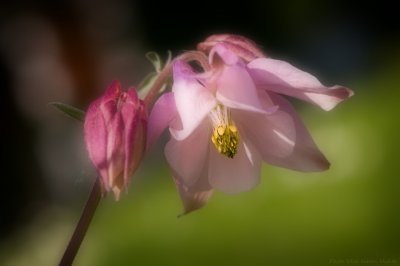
[
  {"x": 115, "y": 136},
  {"x": 241, "y": 46}
]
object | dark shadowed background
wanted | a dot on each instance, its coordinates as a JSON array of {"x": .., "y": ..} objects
[{"x": 70, "y": 51}]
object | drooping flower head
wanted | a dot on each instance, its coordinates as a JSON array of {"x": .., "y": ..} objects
[
  {"x": 115, "y": 135},
  {"x": 225, "y": 121}
]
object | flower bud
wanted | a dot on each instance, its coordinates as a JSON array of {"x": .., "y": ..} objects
[
  {"x": 115, "y": 135},
  {"x": 241, "y": 46}
]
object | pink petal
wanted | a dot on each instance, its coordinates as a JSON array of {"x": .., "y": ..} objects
[
  {"x": 112, "y": 92},
  {"x": 135, "y": 120},
  {"x": 96, "y": 138},
  {"x": 115, "y": 143},
  {"x": 235, "y": 89},
  {"x": 306, "y": 156},
  {"x": 188, "y": 157},
  {"x": 195, "y": 196},
  {"x": 103, "y": 135},
  {"x": 193, "y": 101},
  {"x": 162, "y": 113},
  {"x": 281, "y": 77},
  {"x": 273, "y": 134},
  {"x": 240, "y": 45},
  {"x": 227, "y": 56},
  {"x": 239, "y": 174}
]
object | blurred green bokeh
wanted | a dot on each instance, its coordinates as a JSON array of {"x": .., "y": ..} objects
[{"x": 347, "y": 215}]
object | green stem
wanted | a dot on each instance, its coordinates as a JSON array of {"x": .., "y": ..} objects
[{"x": 83, "y": 225}]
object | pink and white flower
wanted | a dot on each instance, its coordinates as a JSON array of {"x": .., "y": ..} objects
[
  {"x": 115, "y": 135},
  {"x": 225, "y": 122}
]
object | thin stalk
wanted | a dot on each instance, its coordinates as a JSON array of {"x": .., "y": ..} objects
[{"x": 83, "y": 225}]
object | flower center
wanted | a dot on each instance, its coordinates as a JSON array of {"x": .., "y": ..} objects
[{"x": 225, "y": 134}]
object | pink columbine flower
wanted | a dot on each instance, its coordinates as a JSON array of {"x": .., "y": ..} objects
[
  {"x": 225, "y": 122},
  {"x": 115, "y": 131}
]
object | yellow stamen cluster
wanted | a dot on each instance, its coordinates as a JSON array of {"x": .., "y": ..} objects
[{"x": 226, "y": 139}]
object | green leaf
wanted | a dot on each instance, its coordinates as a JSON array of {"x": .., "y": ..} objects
[
  {"x": 69, "y": 110},
  {"x": 155, "y": 59}
]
